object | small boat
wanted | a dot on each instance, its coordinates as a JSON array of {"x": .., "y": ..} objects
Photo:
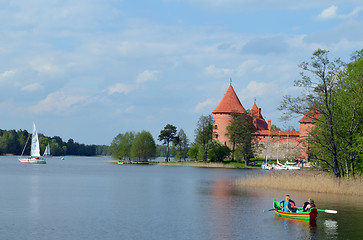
[
  {"x": 266, "y": 166},
  {"x": 310, "y": 215},
  {"x": 120, "y": 162},
  {"x": 47, "y": 151},
  {"x": 34, "y": 150}
]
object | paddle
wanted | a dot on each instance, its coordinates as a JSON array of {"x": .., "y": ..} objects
[
  {"x": 328, "y": 211},
  {"x": 268, "y": 210}
]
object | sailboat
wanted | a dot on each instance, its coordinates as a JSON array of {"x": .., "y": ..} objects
[
  {"x": 47, "y": 151},
  {"x": 34, "y": 152}
]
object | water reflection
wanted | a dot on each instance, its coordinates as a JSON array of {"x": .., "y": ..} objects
[{"x": 331, "y": 227}]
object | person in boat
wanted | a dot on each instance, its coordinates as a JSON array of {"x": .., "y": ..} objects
[
  {"x": 292, "y": 205},
  {"x": 308, "y": 205}
]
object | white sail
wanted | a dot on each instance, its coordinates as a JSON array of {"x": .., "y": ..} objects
[
  {"x": 47, "y": 151},
  {"x": 35, "y": 152}
]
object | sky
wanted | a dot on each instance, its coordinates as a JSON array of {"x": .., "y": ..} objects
[{"x": 90, "y": 69}]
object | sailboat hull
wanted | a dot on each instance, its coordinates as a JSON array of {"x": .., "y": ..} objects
[{"x": 33, "y": 160}]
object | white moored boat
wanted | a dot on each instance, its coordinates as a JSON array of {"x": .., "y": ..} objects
[{"x": 34, "y": 152}]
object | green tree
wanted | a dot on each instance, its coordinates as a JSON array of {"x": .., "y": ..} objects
[
  {"x": 167, "y": 135},
  {"x": 193, "y": 152},
  {"x": 143, "y": 147},
  {"x": 217, "y": 152},
  {"x": 181, "y": 144},
  {"x": 320, "y": 80},
  {"x": 125, "y": 145},
  {"x": 240, "y": 135},
  {"x": 203, "y": 135},
  {"x": 115, "y": 148},
  {"x": 55, "y": 148},
  {"x": 348, "y": 113}
]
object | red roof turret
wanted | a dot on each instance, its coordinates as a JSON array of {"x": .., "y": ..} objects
[
  {"x": 229, "y": 103},
  {"x": 258, "y": 120}
]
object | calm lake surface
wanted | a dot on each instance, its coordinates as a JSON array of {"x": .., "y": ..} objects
[{"x": 87, "y": 198}]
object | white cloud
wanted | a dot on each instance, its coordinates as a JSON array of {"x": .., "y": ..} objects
[
  {"x": 129, "y": 109},
  {"x": 31, "y": 87},
  {"x": 57, "y": 102},
  {"x": 208, "y": 103},
  {"x": 44, "y": 66},
  {"x": 119, "y": 88},
  {"x": 255, "y": 89},
  {"x": 331, "y": 13},
  {"x": 249, "y": 66},
  {"x": 213, "y": 71},
  {"x": 7, "y": 74},
  {"x": 146, "y": 76}
]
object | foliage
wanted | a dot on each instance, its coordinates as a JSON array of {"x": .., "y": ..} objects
[
  {"x": 193, "y": 152},
  {"x": 217, "y": 152},
  {"x": 143, "y": 147},
  {"x": 204, "y": 134},
  {"x": 167, "y": 135},
  {"x": 275, "y": 128},
  {"x": 181, "y": 146},
  {"x": 336, "y": 96},
  {"x": 240, "y": 135}
]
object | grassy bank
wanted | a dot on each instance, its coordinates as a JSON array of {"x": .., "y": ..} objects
[
  {"x": 308, "y": 181},
  {"x": 202, "y": 164}
]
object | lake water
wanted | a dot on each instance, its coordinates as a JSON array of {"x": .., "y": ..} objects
[{"x": 87, "y": 198}]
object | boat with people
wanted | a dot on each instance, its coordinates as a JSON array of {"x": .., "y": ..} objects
[
  {"x": 299, "y": 214},
  {"x": 34, "y": 157},
  {"x": 311, "y": 214}
]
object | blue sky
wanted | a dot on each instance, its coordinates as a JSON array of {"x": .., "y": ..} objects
[{"x": 89, "y": 70}]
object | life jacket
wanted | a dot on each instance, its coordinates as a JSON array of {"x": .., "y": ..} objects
[{"x": 292, "y": 203}]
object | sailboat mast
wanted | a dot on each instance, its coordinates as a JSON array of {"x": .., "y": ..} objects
[
  {"x": 278, "y": 146},
  {"x": 268, "y": 140},
  {"x": 287, "y": 147}
]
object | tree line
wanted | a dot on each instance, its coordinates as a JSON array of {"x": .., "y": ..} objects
[
  {"x": 13, "y": 142},
  {"x": 141, "y": 146}
]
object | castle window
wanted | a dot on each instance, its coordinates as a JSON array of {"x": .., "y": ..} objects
[
  {"x": 217, "y": 136},
  {"x": 215, "y": 127}
]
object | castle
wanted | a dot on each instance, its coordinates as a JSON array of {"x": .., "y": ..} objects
[{"x": 288, "y": 145}]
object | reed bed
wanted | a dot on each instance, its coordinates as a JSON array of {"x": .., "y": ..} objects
[{"x": 306, "y": 181}]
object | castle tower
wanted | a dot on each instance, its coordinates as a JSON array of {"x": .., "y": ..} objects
[
  {"x": 222, "y": 115},
  {"x": 306, "y": 124},
  {"x": 258, "y": 120}
]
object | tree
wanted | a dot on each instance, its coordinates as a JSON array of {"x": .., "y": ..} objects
[
  {"x": 204, "y": 134},
  {"x": 240, "y": 134},
  {"x": 217, "y": 152},
  {"x": 125, "y": 144},
  {"x": 330, "y": 95},
  {"x": 349, "y": 113},
  {"x": 143, "y": 147},
  {"x": 181, "y": 145},
  {"x": 167, "y": 135},
  {"x": 115, "y": 146},
  {"x": 193, "y": 152}
]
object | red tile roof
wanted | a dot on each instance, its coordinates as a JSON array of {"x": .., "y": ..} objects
[
  {"x": 311, "y": 116},
  {"x": 229, "y": 103},
  {"x": 258, "y": 120}
]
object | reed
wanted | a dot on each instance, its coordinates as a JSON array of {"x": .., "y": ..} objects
[{"x": 307, "y": 181}]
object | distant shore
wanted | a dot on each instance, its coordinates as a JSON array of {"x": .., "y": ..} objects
[{"x": 202, "y": 164}]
